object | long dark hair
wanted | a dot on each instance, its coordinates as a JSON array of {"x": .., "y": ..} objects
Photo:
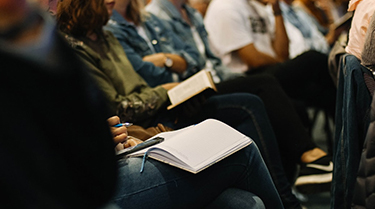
[{"x": 80, "y": 17}]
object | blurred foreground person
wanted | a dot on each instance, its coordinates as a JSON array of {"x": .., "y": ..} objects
[{"x": 56, "y": 149}]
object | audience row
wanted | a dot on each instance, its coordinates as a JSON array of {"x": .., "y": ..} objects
[{"x": 130, "y": 56}]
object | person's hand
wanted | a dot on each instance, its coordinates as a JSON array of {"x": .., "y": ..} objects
[
  {"x": 275, "y": 6},
  {"x": 169, "y": 86},
  {"x": 120, "y": 134},
  {"x": 131, "y": 142},
  {"x": 194, "y": 105},
  {"x": 157, "y": 59}
]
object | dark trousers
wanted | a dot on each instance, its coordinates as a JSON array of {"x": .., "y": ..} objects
[
  {"x": 305, "y": 78},
  {"x": 246, "y": 113},
  {"x": 290, "y": 133}
]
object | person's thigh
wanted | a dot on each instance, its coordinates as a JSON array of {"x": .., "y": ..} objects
[
  {"x": 305, "y": 78},
  {"x": 163, "y": 186}
]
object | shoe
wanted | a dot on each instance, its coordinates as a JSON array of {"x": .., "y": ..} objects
[{"x": 316, "y": 176}]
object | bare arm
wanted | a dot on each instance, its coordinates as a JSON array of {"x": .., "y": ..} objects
[
  {"x": 281, "y": 41},
  {"x": 169, "y": 86},
  {"x": 254, "y": 58},
  {"x": 158, "y": 59}
]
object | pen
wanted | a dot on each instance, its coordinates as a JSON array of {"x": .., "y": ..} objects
[{"x": 123, "y": 124}]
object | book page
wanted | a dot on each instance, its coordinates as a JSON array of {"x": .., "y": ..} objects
[
  {"x": 201, "y": 145},
  {"x": 190, "y": 87},
  {"x": 206, "y": 141}
]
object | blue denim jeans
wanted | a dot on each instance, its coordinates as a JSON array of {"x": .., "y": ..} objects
[
  {"x": 246, "y": 113},
  {"x": 236, "y": 198},
  {"x": 164, "y": 186},
  {"x": 352, "y": 119}
]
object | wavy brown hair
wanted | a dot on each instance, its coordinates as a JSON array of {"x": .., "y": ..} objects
[
  {"x": 136, "y": 12},
  {"x": 80, "y": 17}
]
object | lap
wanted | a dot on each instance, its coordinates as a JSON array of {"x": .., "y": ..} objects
[{"x": 165, "y": 186}]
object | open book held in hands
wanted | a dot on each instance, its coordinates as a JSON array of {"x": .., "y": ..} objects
[
  {"x": 196, "y": 84},
  {"x": 196, "y": 147}
]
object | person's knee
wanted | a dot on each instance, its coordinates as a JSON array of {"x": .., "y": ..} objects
[
  {"x": 268, "y": 80},
  {"x": 315, "y": 55},
  {"x": 251, "y": 101},
  {"x": 237, "y": 198}
]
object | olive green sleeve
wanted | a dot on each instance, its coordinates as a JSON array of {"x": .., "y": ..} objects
[{"x": 137, "y": 105}]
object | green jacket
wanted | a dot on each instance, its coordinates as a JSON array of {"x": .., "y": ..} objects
[{"x": 129, "y": 95}]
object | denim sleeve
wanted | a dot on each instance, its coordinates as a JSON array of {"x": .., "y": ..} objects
[
  {"x": 189, "y": 53},
  {"x": 153, "y": 75}
]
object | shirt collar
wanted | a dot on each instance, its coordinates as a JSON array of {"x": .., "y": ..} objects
[
  {"x": 169, "y": 8},
  {"x": 117, "y": 18}
]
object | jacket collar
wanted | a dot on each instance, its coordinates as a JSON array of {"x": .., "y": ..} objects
[
  {"x": 170, "y": 9},
  {"x": 117, "y": 18}
]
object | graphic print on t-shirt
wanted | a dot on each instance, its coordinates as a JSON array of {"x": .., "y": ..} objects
[{"x": 258, "y": 24}]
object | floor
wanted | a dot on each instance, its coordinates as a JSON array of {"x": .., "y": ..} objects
[{"x": 319, "y": 200}]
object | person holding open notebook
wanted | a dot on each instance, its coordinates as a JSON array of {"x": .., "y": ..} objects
[
  {"x": 75, "y": 168},
  {"x": 127, "y": 23},
  {"x": 162, "y": 186}
]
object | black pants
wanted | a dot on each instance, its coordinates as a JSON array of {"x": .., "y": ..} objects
[
  {"x": 305, "y": 78},
  {"x": 292, "y": 137}
]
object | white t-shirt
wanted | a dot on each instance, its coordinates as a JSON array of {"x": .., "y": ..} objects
[
  {"x": 202, "y": 50},
  {"x": 297, "y": 44},
  {"x": 233, "y": 24}
]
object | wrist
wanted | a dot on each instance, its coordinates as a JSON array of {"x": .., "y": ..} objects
[
  {"x": 276, "y": 8},
  {"x": 168, "y": 62},
  {"x": 277, "y": 12}
]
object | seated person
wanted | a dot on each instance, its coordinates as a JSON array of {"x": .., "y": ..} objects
[
  {"x": 272, "y": 53},
  {"x": 314, "y": 38},
  {"x": 192, "y": 191},
  {"x": 76, "y": 168},
  {"x": 362, "y": 196},
  {"x": 188, "y": 25},
  {"x": 356, "y": 88},
  {"x": 137, "y": 52},
  {"x": 159, "y": 179},
  {"x": 252, "y": 47},
  {"x": 56, "y": 148},
  {"x": 359, "y": 26},
  {"x": 319, "y": 11}
]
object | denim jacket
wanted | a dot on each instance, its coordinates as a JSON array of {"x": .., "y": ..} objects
[
  {"x": 352, "y": 120},
  {"x": 162, "y": 40},
  {"x": 165, "y": 10}
]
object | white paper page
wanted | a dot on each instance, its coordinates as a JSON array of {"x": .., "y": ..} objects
[
  {"x": 184, "y": 90},
  {"x": 207, "y": 140}
]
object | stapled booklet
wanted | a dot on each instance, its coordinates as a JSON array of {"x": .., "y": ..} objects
[{"x": 196, "y": 147}]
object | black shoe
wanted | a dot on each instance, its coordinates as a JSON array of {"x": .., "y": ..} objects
[{"x": 316, "y": 176}]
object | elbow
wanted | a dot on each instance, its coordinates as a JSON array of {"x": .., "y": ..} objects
[
  {"x": 256, "y": 63},
  {"x": 283, "y": 57},
  {"x": 181, "y": 68}
]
